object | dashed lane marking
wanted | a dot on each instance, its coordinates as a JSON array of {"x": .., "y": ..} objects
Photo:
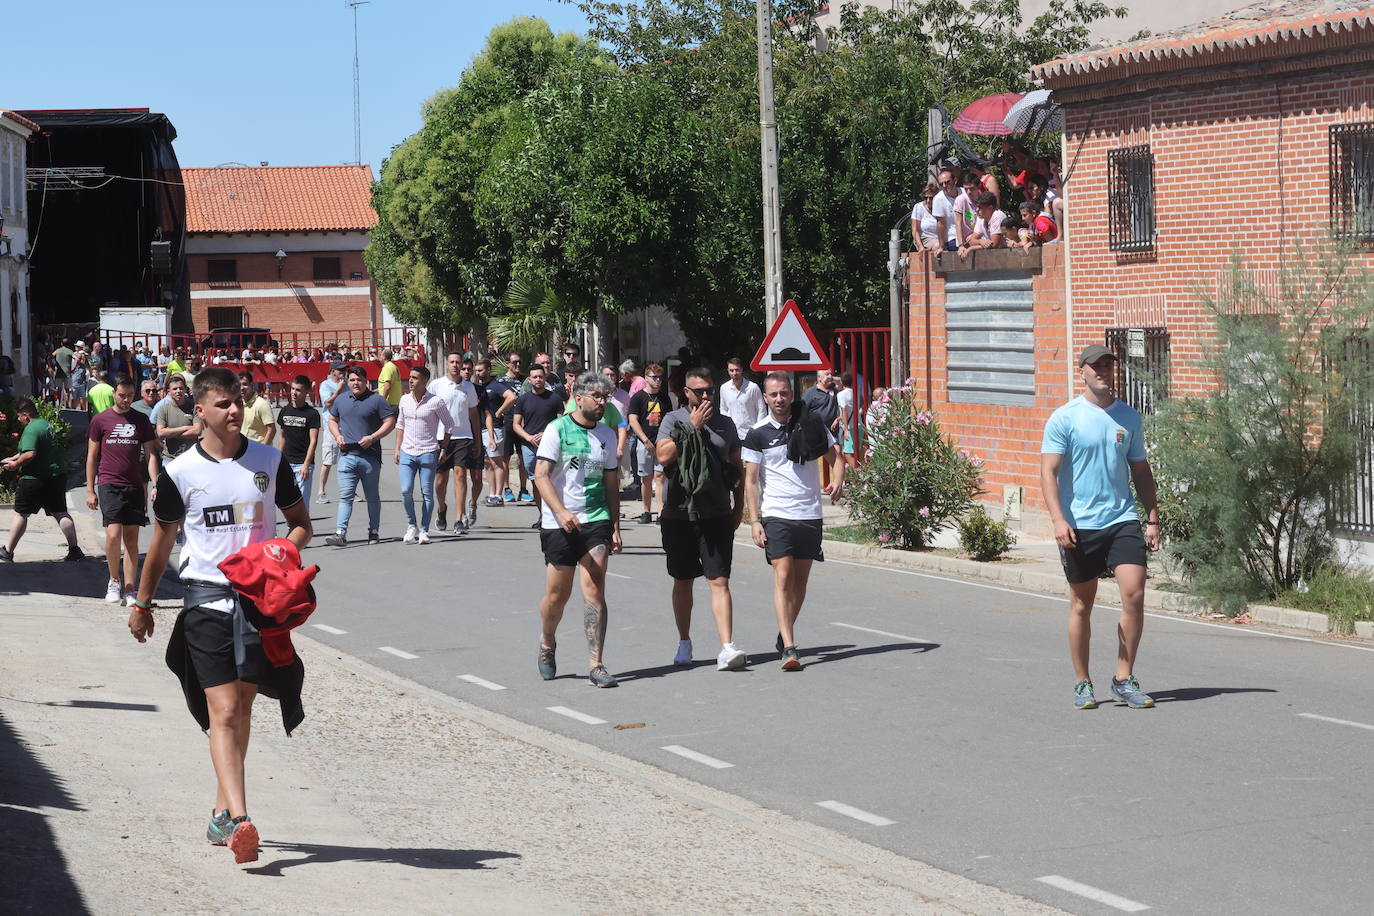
[
  {"x": 399, "y": 653},
  {"x": 850, "y": 626},
  {"x": 697, "y": 756},
  {"x": 575, "y": 715},
  {"x": 1312, "y": 715},
  {"x": 859, "y": 814},
  {"x": 618, "y": 575},
  {"x": 480, "y": 681},
  {"x": 328, "y": 629},
  {"x": 1096, "y": 894}
]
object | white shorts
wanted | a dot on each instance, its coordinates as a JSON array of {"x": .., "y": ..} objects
[{"x": 329, "y": 450}]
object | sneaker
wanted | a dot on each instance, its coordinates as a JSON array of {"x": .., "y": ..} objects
[
  {"x": 411, "y": 532},
  {"x": 460, "y": 527},
  {"x": 243, "y": 842},
  {"x": 5, "y": 555},
  {"x": 74, "y": 554},
  {"x": 321, "y": 499},
  {"x": 1083, "y": 695},
  {"x": 493, "y": 501},
  {"x": 507, "y": 496},
  {"x": 646, "y": 518},
  {"x": 130, "y": 597},
  {"x": 113, "y": 593},
  {"x": 684, "y": 652},
  {"x": 221, "y": 826},
  {"x": 1129, "y": 692},
  {"x": 442, "y": 521},
  {"x": 548, "y": 667},
  {"x": 469, "y": 520},
  {"x": 731, "y": 658},
  {"x": 600, "y": 677},
  {"x": 422, "y": 538},
  {"x": 790, "y": 660},
  {"x": 337, "y": 539},
  {"x": 526, "y": 497},
  {"x": 373, "y": 538}
]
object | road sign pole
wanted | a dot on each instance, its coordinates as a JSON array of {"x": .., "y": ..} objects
[{"x": 768, "y": 135}]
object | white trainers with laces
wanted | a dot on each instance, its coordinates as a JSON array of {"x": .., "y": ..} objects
[
  {"x": 424, "y": 537},
  {"x": 322, "y": 499},
  {"x": 731, "y": 658},
  {"x": 130, "y": 597},
  {"x": 684, "y": 652},
  {"x": 113, "y": 594},
  {"x": 411, "y": 534}
]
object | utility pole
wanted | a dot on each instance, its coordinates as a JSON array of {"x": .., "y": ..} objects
[
  {"x": 357, "y": 94},
  {"x": 768, "y": 132}
]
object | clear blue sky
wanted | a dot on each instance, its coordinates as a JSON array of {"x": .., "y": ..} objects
[{"x": 252, "y": 80}]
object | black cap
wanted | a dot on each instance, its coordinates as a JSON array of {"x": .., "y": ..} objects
[{"x": 1093, "y": 354}]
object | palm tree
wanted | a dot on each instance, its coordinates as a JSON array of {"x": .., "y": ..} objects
[{"x": 534, "y": 311}]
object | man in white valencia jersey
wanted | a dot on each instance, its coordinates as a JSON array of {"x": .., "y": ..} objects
[{"x": 225, "y": 491}]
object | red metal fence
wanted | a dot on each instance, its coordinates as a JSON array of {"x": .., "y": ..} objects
[{"x": 865, "y": 353}]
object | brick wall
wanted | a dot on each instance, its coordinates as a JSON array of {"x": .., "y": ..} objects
[{"x": 305, "y": 304}]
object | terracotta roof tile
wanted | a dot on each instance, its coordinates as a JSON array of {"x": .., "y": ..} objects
[
  {"x": 1267, "y": 22},
  {"x": 19, "y": 119},
  {"x": 278, "y": 198}
]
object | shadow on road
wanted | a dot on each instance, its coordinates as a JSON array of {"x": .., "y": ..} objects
[
  {"x": 35, "y": 873},
  {"x": 416, "y": 858},
  {"x": 1183, "y": 694},
  {"x": 841, "y": 653}
]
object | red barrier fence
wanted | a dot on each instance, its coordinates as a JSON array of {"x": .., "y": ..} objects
[
  {"x": 865, "y": 353},
  {"x": 406, "y": 342}
]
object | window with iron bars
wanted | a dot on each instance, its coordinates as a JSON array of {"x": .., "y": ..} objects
[
  {"x": 1131, "y": 198},
  {"x": 1351, "y": 150},
  {"x": 1142, "y": 366},
  {"x": 1353, "y": 504}
]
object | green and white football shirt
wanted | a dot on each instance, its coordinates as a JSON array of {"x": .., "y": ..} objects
[{"x": 580, "y": 456}]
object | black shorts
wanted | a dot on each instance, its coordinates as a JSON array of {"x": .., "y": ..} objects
[
  {"x": 120, "y": 505},
  {"x": 33, "y": 495},
  {"x": 564, "y": 549},
  {"x": 476, "y": 456},
  {"x": 457, "y": 449},
  {"x": 700, "y": 548},
  {"x": 799, "y": 539},
  {"x": 210, "y": 644},
  {"x": 1102, "y": 549},
  {"x": 509, "y": 443}
]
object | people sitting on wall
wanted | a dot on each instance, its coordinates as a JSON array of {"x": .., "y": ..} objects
[
  {"x": 987, "y": 231},
  {"x": 1034, "y": 227},
  {"x": 925, "y": 229}
]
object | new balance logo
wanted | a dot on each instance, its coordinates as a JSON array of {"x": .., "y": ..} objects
[{"x": 122, "y": 431}]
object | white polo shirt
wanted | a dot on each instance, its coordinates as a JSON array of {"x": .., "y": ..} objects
[
  {"x": 458, "y": 397},
  {"x": 790, "y": 490}
]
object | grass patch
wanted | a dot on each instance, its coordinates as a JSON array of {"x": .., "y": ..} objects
[
  {"x": 850, "y": 534},
  {"x": 1344, "y": 596}
]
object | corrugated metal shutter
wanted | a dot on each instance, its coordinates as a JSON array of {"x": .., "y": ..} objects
[{"x": 990, "y": 338}]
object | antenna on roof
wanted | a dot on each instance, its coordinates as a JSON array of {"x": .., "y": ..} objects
[{"x": 357, "y": 99}]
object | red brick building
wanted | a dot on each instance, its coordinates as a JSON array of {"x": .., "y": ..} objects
[
  {"x": 280, "y": 247},
  {"x": 1252, "y": 131}
]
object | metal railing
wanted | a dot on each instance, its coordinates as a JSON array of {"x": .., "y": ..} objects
[
  {"x": 1353, "y": 504},
  {"x": 865, "y": 353},
  {"x": 1351, "y": 200},
  {"x": 1131, "y": 198},
  {"x": 1142, "y": 366}
]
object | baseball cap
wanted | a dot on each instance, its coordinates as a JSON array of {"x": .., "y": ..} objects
[
  {"x": 337, "y": 364},
  {"x": 1093, "y": 354}
]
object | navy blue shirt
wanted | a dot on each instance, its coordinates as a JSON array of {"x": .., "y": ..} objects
[{"x": 361, "y": 416}]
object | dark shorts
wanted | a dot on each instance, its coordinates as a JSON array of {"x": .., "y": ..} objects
[
  {"x": 799, "y": 539},
  {"x": 476, "y": 456},
  {"x": 457, "y": 454},
  {"x": 700, "y": 548},
  {"x": 508, "y": 443},
  {"x": 1103, "y": 549},
  {"x": 121, "y": 505},
  {"x": 33, "y": 495},
  {"x": 564, "y": 549},
  {"x": 210, "y": 643}
]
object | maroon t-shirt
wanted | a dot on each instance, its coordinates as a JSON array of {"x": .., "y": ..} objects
[{"x": 121, "y": 437}]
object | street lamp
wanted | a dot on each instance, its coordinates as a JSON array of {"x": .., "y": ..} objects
[{"x": 281, "y": 261}]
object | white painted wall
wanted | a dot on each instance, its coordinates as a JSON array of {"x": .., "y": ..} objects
[
  {"x": 14, "y": 270},
  {"x": 288, "y": 242}
]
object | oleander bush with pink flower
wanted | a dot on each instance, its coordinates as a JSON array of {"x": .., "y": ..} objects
[{"x": 915, "y": 481}]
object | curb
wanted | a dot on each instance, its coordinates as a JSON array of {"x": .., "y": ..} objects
[{"x": 1052, "y": 583}]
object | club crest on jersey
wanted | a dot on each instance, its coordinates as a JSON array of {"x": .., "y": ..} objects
[
  {"x": 1120, "y": 436},
  {"x": 260, "y": 480},
  {"x": 274, "y": 552}
]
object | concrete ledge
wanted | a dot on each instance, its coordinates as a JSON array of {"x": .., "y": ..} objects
[{"x": 987, "y": 259}]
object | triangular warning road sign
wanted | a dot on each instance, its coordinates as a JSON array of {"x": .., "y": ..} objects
[{"x": 789, "y": 344}]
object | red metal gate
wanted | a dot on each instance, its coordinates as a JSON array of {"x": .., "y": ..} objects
[{"x": 865, "y": 353}]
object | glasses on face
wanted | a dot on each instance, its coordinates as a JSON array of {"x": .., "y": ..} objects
[
  {"x": 657, "y": 378},
  {"x": 596, "y": 395},
  {"x": 704, "y": 392}
]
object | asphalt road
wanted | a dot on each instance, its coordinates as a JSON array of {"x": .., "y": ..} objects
[{"x": 934, "y": 716}]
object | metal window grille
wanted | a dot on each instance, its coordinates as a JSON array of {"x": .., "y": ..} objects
[
  {"x": 1351, "y": 150},
  {"x": 222, "y": 271},
  {"x": 1131, "y": 198},
  {"x": 1354, "y": 502},
  {"x": 1142, "y": 366}
]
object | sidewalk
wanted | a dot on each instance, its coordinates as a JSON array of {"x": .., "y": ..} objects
[{"x": 390, "y": 798}]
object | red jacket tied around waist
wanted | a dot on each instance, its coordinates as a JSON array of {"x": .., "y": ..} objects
[{"x": 277, "y": 593}]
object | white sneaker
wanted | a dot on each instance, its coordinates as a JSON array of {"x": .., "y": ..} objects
[
  {"x": 130, "y": 597},
  {"x": 731, "y": 658},
  {"x": 684, "y": 652},
  {"x": 424, "y": 537},
  {"x": 113, "y": 593},
  {"x": 322, "y": 499},
  {"x": 410, "y": 534}
]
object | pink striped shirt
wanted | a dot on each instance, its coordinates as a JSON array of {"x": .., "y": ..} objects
[{"x": 418, "y": 423}]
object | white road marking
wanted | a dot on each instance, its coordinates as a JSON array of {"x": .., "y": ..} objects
[
  {"x": 1229, "y": 627},
  {"x": 618, "y": 575},
  {"x": 697, "y": 756},
  {"x": 480, "y": 681},
  {"x": 328, "y": 629},
  {"x": 1093, "y": 893},
  {"x": 858, "y": 814},
  {"x": 1312, "y": 715},
  {"x": 850, "y": 626},
  {"x": 399, "y": 653},
  {"x": 574, "y": 714}
]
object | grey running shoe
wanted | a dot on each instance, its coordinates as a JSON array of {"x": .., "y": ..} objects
[
  {"x": 1129, "y": 692},
  {"x": 460, "y": 527},
  {"x": 337, "y": 539},
  {"x": 494, "y": 501},
  {"x": 373, "y": 537},
  {"x": 5, "y": 555},
  {"x": 470, "y": 519},
  {"x": 1083, "y": 695},
  {"x": 600, "y": 677},
  {"x": 442, "y": 521},
  {"x": 548, "y": 667},
  {"x": 221, "y": 826},
  {"x": 791, "y": 661}
]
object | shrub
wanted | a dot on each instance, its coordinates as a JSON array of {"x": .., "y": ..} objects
[
  {"x": 1344, "y": 596},
  {"x": 915, "y": 481},
  {"x": 10, "y": 430},
  {"x": 983, "y": 537}
]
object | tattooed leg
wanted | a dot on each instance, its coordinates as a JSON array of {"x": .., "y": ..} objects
[{"x": 594, "y": 613}]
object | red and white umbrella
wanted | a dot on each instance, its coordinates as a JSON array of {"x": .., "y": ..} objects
[{"x": 984, "y": 117}]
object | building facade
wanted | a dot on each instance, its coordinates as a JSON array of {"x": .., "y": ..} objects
[
  {"x": 15, "y": 329},
  {"x": 280, "y": 247}
]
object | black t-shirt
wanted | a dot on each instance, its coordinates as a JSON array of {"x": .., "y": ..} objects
[
  {"x": 296, "y": 424},
  {"x": 537, "y": 410},
  {"x": 826, "y": 404},
  {"x": 650, "y": 409},
  {"x": 496, "y": 393},
  {"x": 724, "y": 438}
]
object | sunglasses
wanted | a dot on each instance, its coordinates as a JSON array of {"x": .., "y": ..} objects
[
  {"x": 657, "y": 378},
  {"x": 704, "y": 392}
]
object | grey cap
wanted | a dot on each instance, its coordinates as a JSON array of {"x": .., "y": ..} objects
[
  {"x": 1093, "y": 354},
  {"x": 337, "y": 364}
]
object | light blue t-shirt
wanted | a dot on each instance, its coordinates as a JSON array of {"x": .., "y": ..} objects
[{"x": 1095, "y": 475}]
